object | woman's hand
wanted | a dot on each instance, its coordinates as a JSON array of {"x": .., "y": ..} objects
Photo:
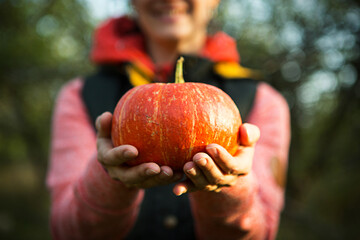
[
  {"x": 114, "y": 160},
  {"x": 217, "y": 168}
]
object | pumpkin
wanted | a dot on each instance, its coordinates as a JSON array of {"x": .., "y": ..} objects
[{"x": 170, "y": 122}]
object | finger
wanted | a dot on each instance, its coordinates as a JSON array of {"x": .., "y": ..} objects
[
  {"x": 236, "y": 165},
  {"x": 213, "y": 174},
  {"x": 103, "y": 125},
  {"x": 183, "y": 187},
  {"x": 188, "y": 186},
  {"x": 195, "y": 175},
  {"x": 115, "y": 156},
  {"x": 103, "y": 146},
  {"x": 166, "y": 176},
  {"x": 249, "y": 134},
  {"x": 135, "y": 175},
  {"x": 166, "y": 173}
]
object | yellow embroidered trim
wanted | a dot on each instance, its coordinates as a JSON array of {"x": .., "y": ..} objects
[
  {"x": 138, "y": 75},
  {"x": 235, "y": 70}
]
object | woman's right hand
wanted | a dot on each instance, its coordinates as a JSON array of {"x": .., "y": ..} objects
[{"x": 114, "y": 159}]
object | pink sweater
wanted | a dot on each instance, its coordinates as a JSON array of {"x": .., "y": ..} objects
[{"x": 88, "y": 204}]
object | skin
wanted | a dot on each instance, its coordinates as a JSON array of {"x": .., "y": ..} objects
[
  {"x": 172, "y": 27},
  {"x": 209, "y": 171},
  {"x": 145, "y": 175}
]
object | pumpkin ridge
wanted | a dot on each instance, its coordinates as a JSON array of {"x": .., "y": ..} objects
[
  {"x": 161, "y": 125},
  {"x": 216, "y": 110},
  {"x": 169, "y": 123},
  {"x": 194, "y": 115},
  {"x": 124, "y": 105}
]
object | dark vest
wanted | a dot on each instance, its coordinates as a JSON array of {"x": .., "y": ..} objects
[{"x": 162, "y": 214}]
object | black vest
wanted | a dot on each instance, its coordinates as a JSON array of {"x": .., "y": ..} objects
[{"x": 162, "y": 214}]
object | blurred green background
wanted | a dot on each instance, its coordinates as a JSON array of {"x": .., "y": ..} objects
[{"x": 308, "y": 49}]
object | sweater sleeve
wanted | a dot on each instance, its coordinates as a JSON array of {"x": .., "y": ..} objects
[
  {"x": 86, "y": 202},
  {"x": 251, "y": 208}
]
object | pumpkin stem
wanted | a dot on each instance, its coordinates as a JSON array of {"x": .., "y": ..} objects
[{"x": 179, "y": 78}]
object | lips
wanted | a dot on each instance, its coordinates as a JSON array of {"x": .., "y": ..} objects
[{"x": 172, "y": 12}]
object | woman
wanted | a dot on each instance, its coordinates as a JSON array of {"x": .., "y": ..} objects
[{"x": 95, "y": 195}]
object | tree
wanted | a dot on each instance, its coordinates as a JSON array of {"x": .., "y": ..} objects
[
  {"x": 307, "y": 49},
  {"x": 42, "y": 44}
]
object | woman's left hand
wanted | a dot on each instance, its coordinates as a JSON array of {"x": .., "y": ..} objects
[{"x": 217, "y": 168}]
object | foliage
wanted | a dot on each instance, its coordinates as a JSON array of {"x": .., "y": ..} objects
[
  {"x": 307, "y": 49},
  {"x": 42, "y": 44}
]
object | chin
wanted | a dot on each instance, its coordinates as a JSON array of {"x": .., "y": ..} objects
[{"x": 174, "y": 34}]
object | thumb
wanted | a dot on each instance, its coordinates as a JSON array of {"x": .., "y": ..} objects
[
  {"x": 249, "y": 134},
  {"x": 103, "y": 124}
]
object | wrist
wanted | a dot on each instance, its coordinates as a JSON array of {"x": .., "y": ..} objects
[
  {"x": 236, "y": 198},
  {"x": 100, "y": 191}
]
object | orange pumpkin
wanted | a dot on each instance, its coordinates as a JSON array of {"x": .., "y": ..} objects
[{"x": 170, "y": 123}]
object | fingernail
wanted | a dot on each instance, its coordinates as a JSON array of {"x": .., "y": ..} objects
[
  {"x": 151, "y": 172},
  {"x": 191, "y": 171},
  {"x": 245, "y": 222},
  {"x": 181, "y": 192},
  {"x": 213, "y": 151},
  {"x": 201, "y": 162},
  {"x": 252, "y": 134},
  {"x": 166, "y": 173}
]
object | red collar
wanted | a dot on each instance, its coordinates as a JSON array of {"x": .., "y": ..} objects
[{"x": 120, "y": 40}]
